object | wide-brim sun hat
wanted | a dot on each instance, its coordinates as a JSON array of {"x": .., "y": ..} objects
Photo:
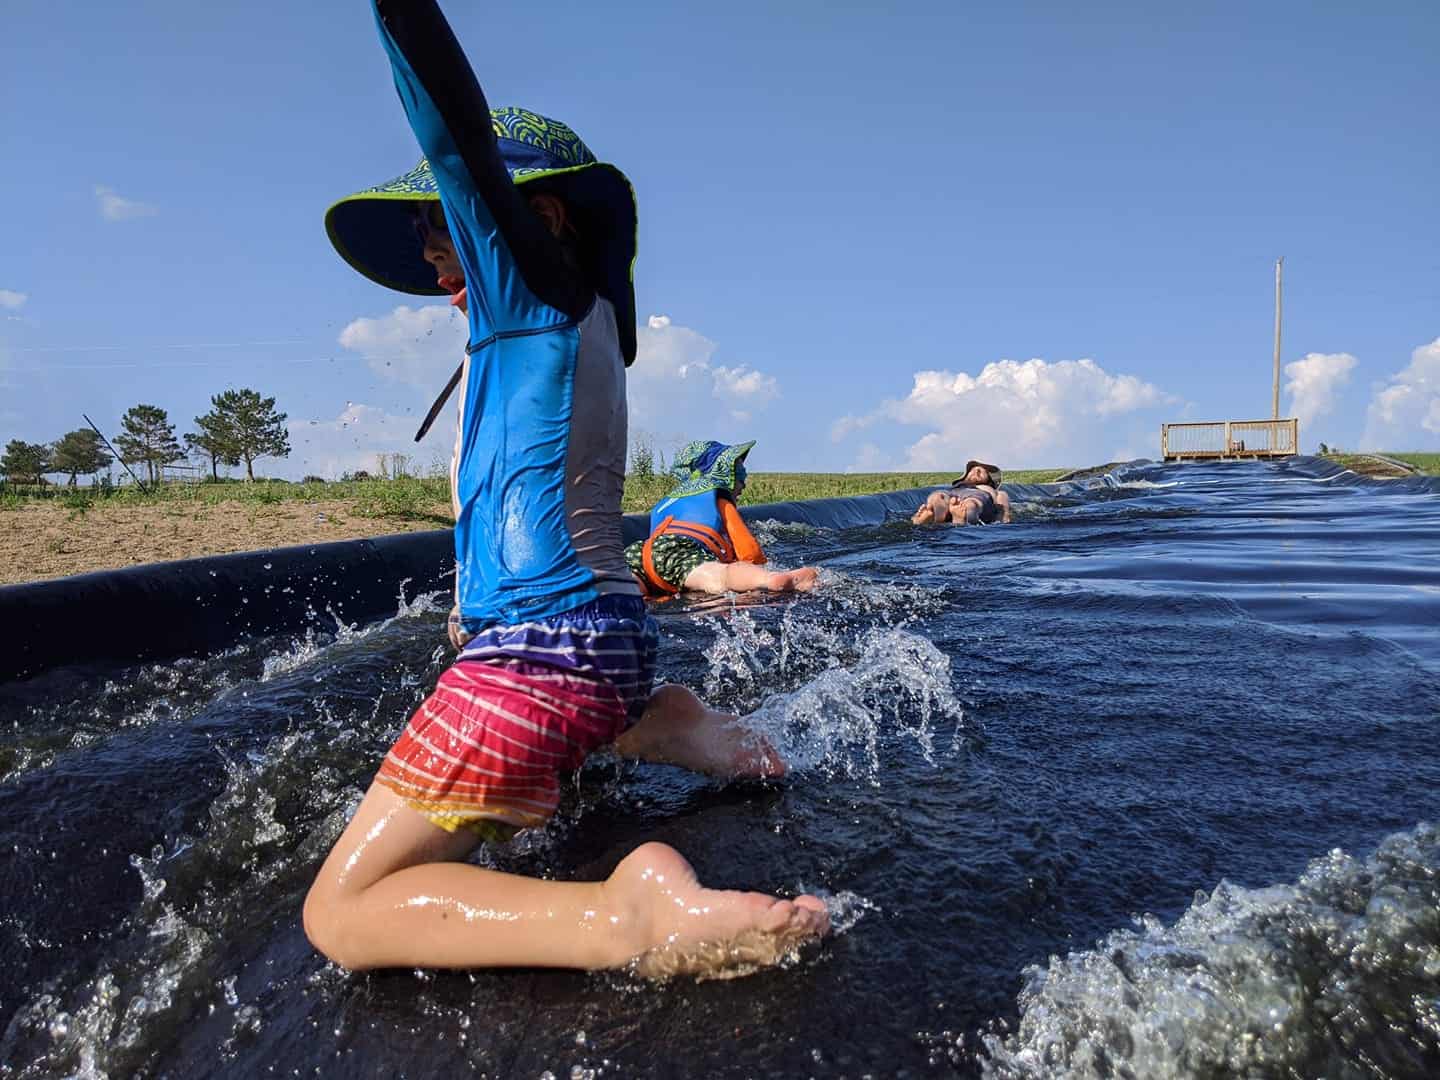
[
  {"x": 374, "y": 229},
  {"x": 993, "y": 470},
  {"x": 705, "y": 465}
]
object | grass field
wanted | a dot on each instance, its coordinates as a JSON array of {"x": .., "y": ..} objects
[
  {"x": 1429, "y": 464},
  {"x": 1425, "y": 464}
]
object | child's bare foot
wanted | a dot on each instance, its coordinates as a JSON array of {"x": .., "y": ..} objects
[
  {"x": 934, "y": 510},
  {"x": 683, "y": 928},
  {"x": 677, "y": 729},
  {"x": 802, "y": 580}
]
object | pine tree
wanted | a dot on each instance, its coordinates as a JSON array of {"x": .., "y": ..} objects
[
  {"x": 147, "y": 435},
  {"x": 256, "y": 429},
  {"x": 78, "y": 451},
  {"x": 25, "y": 463},
  {"x": 213, "y": 438}
]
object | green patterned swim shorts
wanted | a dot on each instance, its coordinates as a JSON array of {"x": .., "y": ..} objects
[{"x": 674, "y": 557}]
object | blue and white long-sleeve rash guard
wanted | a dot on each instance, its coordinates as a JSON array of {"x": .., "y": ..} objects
[{"x": 539, "y": 462}]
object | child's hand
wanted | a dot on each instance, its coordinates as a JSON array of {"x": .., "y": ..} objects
[{"x": 456, "y": 632}]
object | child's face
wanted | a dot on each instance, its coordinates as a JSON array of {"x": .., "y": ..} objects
[
  {"x": 439, "y": 249},
  {"x": 435, "y": 235}
]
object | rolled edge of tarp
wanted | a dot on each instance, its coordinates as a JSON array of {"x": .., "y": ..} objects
[{"x": 192, "y": 607}]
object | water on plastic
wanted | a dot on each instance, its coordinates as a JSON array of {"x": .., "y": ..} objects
[{"x": 1143, "y": 785}]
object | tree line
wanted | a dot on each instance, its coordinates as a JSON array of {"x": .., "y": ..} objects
[{"x": 240, "y": 426}]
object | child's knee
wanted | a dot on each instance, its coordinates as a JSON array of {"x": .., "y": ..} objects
[{"x": 322, "y": 920}]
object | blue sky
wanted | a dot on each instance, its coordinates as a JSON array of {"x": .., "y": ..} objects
[{"x": 869, "y": 238}]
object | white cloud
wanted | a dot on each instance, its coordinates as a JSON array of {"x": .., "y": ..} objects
[
  {"x": 420, "y": 346},
  {"x": 1020, "y": 414},
  {"x": 115, "y": 207},
  {"x": 1314, "y": 382},
  {"x": 743, "y": 386},
  {"x": 677, "y": 393},
  {"x": 352, "y": 440},
  {"x": 869, "y": 458},
  {"x": 11, "y": 299},
  {"x": 1405, "y": 415}
]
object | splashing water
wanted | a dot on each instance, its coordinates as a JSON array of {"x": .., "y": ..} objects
[
  {"x": 314, "y": 644},
  {"x": 850, "y": 690},
  {"x": 1336, "y": 975}
]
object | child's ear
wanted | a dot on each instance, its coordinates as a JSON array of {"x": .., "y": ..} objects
[{"x": 552, "y": 211}]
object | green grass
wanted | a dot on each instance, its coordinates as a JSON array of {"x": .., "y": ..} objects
[
  {"x": 422, "y": 498},
  {"x": 1429, "y": 464},
  {"x": 1425, "y": 464}
]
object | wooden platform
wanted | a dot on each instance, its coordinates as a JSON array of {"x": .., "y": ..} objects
[{"x": 1219, "y": 440}]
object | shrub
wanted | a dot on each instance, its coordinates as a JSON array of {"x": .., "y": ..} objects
[{"x": 642, "y": 459}]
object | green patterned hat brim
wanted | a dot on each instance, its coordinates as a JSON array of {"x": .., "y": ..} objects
[
  {"x": 720, "y": 474},
  {"x": 373, "y": 230}
]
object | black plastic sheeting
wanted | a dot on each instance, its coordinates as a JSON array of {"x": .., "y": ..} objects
[{"x": 195, "y": 606}]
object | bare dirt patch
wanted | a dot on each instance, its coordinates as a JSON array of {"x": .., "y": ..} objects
[{"x": 45, "y": 540}]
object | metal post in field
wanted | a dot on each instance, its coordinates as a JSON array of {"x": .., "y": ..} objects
[
  {"x": 1275, "y": 395},
  {"x": 115, "y": 454}
]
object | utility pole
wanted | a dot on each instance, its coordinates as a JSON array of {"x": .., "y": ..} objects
[{"x": 1275, "y": 395}]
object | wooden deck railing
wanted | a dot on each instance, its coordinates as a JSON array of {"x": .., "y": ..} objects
[{"x": 1229, "y": 439}]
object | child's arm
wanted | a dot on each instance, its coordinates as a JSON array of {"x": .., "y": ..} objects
[
  {"x": 498, "y": 238},
  {"x": 747, "y": 548}
]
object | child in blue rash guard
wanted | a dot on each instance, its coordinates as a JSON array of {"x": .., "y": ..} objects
[{"x": 512, "y": 214}]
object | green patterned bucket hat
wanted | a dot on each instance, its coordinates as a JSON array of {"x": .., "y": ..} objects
[
  {"x": 707, "y": 465},
  {"x": 373, "y": 230}
]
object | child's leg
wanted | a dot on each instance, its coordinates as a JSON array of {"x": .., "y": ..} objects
[
  {"x": 966, "y": 511},
  {"x": 935, "y": 509},
  {"x": 386, "y": 898},
  {"x": 718, "y": 577},
  {"x": 677, "y": 729}
]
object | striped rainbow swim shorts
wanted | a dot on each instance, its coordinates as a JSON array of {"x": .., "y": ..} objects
[{"x": 521, "y": 705}]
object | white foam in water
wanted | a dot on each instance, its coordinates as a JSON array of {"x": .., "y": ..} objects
[
  {"x": 886, "y": 681},
  {"x": 844, "y": 908},
  {"x": 1335, "y": 975},
  {"x": 769, "y": 532},
  {"x": 310, "y": 646},
  {"x": 162, "y": 965},
  {"x": 858, "y": 687},
  {"x": 1145, "y": 485}
]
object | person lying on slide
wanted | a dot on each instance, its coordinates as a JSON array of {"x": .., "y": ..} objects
[
  {"x": 698, "y": 541},
  {"x": 973, "y": 499},
  {"x": 536, "y": 240}
]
